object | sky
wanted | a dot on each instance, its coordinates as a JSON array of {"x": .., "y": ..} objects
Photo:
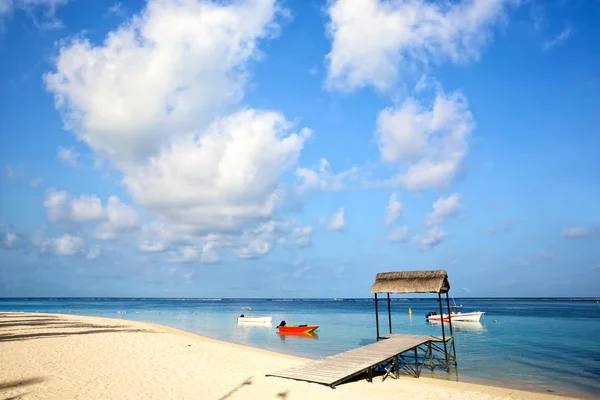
[{"x": 265, "y": 148}]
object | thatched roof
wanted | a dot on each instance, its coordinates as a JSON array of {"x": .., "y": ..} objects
[{"x": 411, "y": 282}]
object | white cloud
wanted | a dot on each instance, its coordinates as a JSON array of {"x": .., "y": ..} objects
[
  {"x": 42, "y": 12},
  {"x": 374, "y": 40},
  {"x": 255, "y": 248},
  {"x": 68, "y": 245},
  {"x": 55, "y": 204},
  {"x": 301, "y": 235},
  {"x": 322, "y": 178},
  {"x": 432, "y": 238},
  {"x": 117, "y": 9},
  {"x": 186, "y": 254},
  {"x": 86, "y": 208},
  {"x": 443, "y": 209},
  {"x": 119, "y": 218},
  {"x": 10, "y": 239},
  {"x": 209, "y": 255},
  {"x": 399, "y": 234},
  {"x": 222, "y": 180},
  {"x": 336, "y": 222},
  {"x": 161, "y": 105},
  {"x": 114, "y": 218},
  {"x": 558, "y": 39},
  {"x": 427, "y": 145},
  {"x": 149, "y": 82},
  {"x": 576, "y": 232},
  {"x": 393, "y": 210},
  {"x": 69, "y": 156}
]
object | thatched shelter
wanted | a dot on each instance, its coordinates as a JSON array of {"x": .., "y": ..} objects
[
  {"x": 403, "y": 282},
  {"x": 411, "y": 282}
]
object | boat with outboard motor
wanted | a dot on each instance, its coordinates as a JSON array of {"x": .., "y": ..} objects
[{"x": 294, "y": 329}]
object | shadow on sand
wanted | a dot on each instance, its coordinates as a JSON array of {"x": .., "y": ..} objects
[
  {"x": 16, "y": 385},
  {"x": 15, "y": 328}
]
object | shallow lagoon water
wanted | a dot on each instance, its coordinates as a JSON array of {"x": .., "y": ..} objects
[{"x": 535, "y": 344}]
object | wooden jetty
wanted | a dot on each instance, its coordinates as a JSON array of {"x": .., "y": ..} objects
[
  {"x": 392, "y": 352},
  {"x": 395, "y": 354}
]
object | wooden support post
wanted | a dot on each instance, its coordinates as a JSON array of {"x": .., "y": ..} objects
[
  {"x": 443, "y": 329},
  {"x": 377, "y": 316},
  {"x": 397, "y": 367},
  {"x": 389, "y": 313},
  {"x": 417, "y": 362},
  {"x": 451, "y": 332}
]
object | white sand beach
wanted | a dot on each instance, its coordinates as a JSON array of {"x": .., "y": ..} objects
[{"x": 46, "y": 356}]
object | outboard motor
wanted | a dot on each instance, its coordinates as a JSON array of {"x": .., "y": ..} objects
[
  {"x": 430, "y": 314},
  {"x": 282, "y": 323}
]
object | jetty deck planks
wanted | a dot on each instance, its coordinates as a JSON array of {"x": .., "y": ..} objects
[{"x": 340, "y": 367}]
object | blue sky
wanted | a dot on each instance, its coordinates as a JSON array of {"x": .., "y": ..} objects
[{"x": 262, "y": 148}]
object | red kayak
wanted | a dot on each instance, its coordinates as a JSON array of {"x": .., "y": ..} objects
[{"x": 283, "y": 328}]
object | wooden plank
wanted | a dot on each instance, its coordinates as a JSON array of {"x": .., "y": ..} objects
[{"x": 339, "y": 367}]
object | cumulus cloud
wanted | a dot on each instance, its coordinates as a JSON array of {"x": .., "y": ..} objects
[
  {"x": 373, "y": 41},
  {"x": 322, "y": 178},
  {"x": 224, "y": 179},
  {"x": 86, "y": 208},
  {"x": 337, "y": 222},
  {"x": 10, "y": 238},
  {"x": 113, "y": 218},
  {"x": 205, "y": 254},
  {"x": 148, "y": 82},
  {"x": 443, "y": 209},
  {"x": 119, "y": 218},
  {"x": 576, "y": 232},
  {"x": 69, "y": 156},
  {"x": 393, "y": 210},
  {"x": 432, "y": 238},
  {"x": 162, "y": 105},
  {"x": 426, "y": 145},
  {"x": 68, "y": 245}
]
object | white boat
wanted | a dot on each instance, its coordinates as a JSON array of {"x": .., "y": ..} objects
[
  {"x": 457, "y": 316},
  {"x": 256, "y": 320},
  {"x": 253, "y": 318}
]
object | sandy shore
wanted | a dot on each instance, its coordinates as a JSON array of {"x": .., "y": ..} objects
[{"x": 46, "y": 356}]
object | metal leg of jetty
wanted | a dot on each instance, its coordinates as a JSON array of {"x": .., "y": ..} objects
[{"x": 444, "y": 331}]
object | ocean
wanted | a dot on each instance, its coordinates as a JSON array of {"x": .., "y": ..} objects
[{"x": 544, "y": 345}]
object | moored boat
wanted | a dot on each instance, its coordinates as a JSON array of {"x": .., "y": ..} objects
[
  {"x": 456, "y": 316},
  {"x": 284, "y": 328},
  {"x": 254, "y": 318}
]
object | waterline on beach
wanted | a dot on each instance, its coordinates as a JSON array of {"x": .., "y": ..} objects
[{"x": 524, "y": 349}]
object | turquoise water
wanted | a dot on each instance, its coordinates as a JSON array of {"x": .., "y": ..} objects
[{"x": 535, "y": 344}]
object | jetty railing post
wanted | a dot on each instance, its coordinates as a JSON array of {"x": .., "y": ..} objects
[
  {"x": 443, "y": 330},
  {"x": 377, "y": 316},
  {"x": 451, "y": 332},
  {"x": 389, "y": 313}
]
